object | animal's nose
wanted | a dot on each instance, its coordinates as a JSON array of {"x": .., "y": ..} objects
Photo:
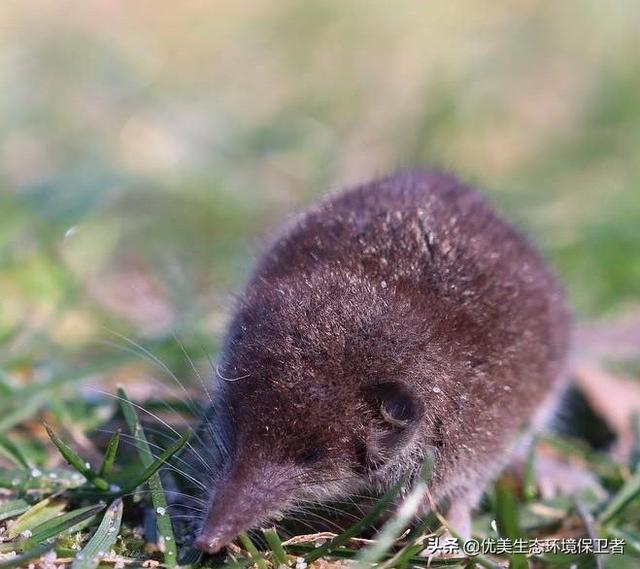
[
  {"x": 216, "y": 534},
  {"x": 239, "y": 504},
  {"x": 209, "y": 544}
]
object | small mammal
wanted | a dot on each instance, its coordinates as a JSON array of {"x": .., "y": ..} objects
[{"x": 399, "y": 319}]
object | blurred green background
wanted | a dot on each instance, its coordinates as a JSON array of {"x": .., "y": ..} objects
[{"x": 146, "y": 148}]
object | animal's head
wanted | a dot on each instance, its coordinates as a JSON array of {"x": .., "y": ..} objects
[{"x": 315, "y": 397}]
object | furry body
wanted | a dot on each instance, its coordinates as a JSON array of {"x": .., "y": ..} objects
[{"x": 397, "y": 319}]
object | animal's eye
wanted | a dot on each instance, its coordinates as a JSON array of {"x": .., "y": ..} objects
[{"x": 310, "y": 456}]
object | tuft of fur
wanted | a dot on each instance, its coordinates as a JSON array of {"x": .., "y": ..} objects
[{"x": 399, "y": 319}]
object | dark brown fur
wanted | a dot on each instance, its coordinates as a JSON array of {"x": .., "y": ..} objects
[{"x": 398, "y": 319}]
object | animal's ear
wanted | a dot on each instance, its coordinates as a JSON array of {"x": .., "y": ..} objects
[{"x": 397, "y": 411}]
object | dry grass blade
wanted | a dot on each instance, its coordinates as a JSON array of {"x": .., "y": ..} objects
[
  {"x": 37, "y": 514},
  {"x": 61, "y": 524}
]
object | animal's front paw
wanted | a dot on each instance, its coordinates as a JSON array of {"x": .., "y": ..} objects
[{"x": 560, "y": 476}]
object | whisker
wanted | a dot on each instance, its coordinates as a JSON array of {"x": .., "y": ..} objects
[
  {"x": 193, "y": 366},
  {"x": 190, "y": 402},
  {"x": 230, "y": 379},
  {"x": 290, "y": 516},
  {"x": 187, "y": 507},
  {"x": 173, "y": 493},
  {"x": 324, "y": 519},
  {"x": 159, "y": 419},
  {"x": 138, "y": 349},
  {"x": 168, "y": 465}
]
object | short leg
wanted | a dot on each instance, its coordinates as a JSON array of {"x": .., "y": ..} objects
[
  {"x": 557, "y": 476},
  {"x": 459, "y": 517}
]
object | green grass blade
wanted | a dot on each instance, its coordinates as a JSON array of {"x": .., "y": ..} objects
[
  {"x": 110, "y": 455},
  {"x": 411, "y": 548},
  {"x": 234, "y": 563},
  {"x": 153, "y": 468},
  {"x": 15, "y": 415},
  {"x": 507, "y": 520},
  {"x": 61, "y": 524},
  {"x": 34, "y": 394},
  {"x": 634, "y": 455},
  {"x": 429, "y": 521},
  {"x": 37, "y": 514},
  {"x": 24, "y": 403},
  {"x": 561, "y": 560},
  {"x": 158, "y": 497},
  {"x": 480, "y": 559},
  {"x": 627, "y": 494},
  {"x": 358, "y": 527},
  {"x": 255, "y": 555},
  {"x": 103, "y": 539},
  {"x": 21, "y": 561},
  {"x": 529, "y": 485},
  {"x": 13, "y": 452},
  {"x": 5, "y": 389},
  {"x": 386, "y": 538},
  {"x": 76, "y": 461},
  {"x": 46, "y": 480},
  {"x": 631, "y": 540},
  {"x": 275, "y": 544},
  {"x": 13, "y": 509}
]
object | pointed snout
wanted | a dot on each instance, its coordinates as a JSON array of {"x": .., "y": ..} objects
[
  {"x": 240, "y": 504},
  {"x": 204, "y": 543},
  {"x": 224, "y": 525},
  {"x": 215, "y": 540}
]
